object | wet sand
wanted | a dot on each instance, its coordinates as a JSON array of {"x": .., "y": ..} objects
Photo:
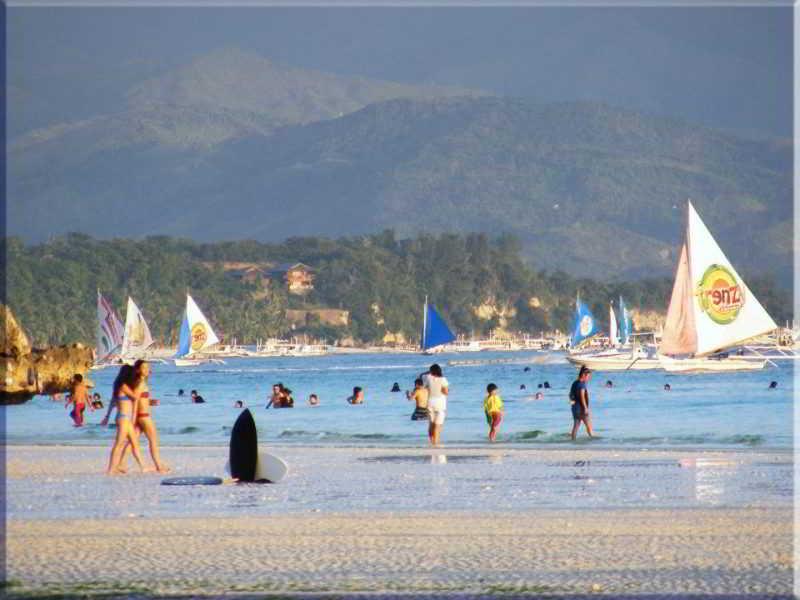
[{"x": 152, "y": 544}]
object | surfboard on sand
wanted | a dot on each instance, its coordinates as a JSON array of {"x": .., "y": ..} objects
[
  {"x": 245, "y": 462},
  {"x": 243, "y": 455}
]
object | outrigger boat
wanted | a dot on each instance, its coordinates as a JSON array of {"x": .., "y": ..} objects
[
  {"x": 435, "y": 332},
  {"x": 195, "y": 336},
  {"x": 711, "y": 313},
  {"x": 711, "y": 309},
  {"x": 109, "y": 334}
]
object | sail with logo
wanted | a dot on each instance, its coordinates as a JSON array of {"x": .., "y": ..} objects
[
  {"x": 109, "y": 330},
  {"x": 137, "y": 337},
  {"x": 625, "y": 325},
  {"x": 195, "y": 336},
  {"x": 585, "y": 325},
  {"x": 435, "y": 331},
  {"x": 711, "y": 308}
]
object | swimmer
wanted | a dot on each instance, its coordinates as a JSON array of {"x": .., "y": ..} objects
[
  {"x": 313, "y": 400},
  {"x": 357, "y": 397}
]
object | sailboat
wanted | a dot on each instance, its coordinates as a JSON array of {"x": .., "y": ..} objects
[
  {"x": 195, "y": 336},
  {"x": 435, "y": 331},
  {"x": 109, "y": 333},
  {"x": 613, "y": 338},
  {"x": 711, "y": 308},
  {"x": 621, "y": 357},
  {"x": 584, "y": 326},
  {"x": 137, "y": 338},
  {"x": 626, "y": 327}
]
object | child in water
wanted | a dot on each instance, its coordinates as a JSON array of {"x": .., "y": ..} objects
[
  {"x": 79, "y": 396},
  {"x": 493, "y": 409}
]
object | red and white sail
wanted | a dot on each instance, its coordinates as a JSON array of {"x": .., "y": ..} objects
[{"x": 109, "y": 328}]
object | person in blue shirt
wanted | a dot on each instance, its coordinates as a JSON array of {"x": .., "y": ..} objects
[{"x": 579, "y": 400}]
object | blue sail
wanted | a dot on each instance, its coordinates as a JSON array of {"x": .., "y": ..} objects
[
  {"x": 625, "y": 325},
  {"x": 585, "y": 324},
  {"x": 435, "y": 331},
  {"x": 185, "y": 338}
]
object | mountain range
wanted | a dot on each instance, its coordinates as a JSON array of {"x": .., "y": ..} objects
[{"x": 235, "y": 146}]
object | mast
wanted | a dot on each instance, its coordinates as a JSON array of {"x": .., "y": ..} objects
[{"x": 424, "y": 321}]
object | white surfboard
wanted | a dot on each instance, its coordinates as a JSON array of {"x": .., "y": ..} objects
[{"x": 268, "y": 468}]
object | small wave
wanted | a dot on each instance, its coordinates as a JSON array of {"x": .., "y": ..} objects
[
  {"x": 189, "y": 429},
  {"x": 744, "y": 439},
  {"x": 529, "y": 435}
]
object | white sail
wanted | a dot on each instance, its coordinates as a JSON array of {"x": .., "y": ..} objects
[
  {"x": 137, "y": 334},
  {"x": 726, "y": 312},
  {"x": 612, "y": 327},
  {"x": 196, "y": 332},
  {"x": 109, "y": 328}
]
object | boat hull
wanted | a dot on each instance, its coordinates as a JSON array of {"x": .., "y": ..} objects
[
  {"x": 192, "y": 362},
  {"x": 615, "y": 363},
  {"x": 710, "y": 365}
]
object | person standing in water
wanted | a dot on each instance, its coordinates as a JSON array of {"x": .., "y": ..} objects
[
  {"x": 420, "y": 397},
  {"x": 438, "y": 389},
  {"x": 79, "y": 396},
  {"x": 579, "y": 400},
  {"x": 493, "y": 409},
  {"x": 125, "y": 397},
  {"x": 144, "y": 417}
]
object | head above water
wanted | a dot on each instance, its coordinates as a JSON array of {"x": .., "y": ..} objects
[{"x": 435, "y": 370}]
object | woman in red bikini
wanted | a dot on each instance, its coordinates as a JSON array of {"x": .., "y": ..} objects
[{"x": 144, "y": 416}]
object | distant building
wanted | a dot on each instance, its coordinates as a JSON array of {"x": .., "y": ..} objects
[
  {"x": 298, "y": 277},
  {"x": 249, "y": 272}
]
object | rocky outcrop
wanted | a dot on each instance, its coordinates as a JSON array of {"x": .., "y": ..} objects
[{"x": 26, "y": 371}]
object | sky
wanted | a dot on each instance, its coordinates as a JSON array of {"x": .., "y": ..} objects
[{"x": 729, "y": 68}]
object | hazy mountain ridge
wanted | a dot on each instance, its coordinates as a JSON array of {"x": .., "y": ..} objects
[
  {"x": 224, "y": 95},
  {"x": 588, "y": 188}
]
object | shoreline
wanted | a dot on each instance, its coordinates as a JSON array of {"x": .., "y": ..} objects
[{"x": 383, "y": 521}]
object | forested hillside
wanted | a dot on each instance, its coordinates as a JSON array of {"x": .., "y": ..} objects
[
  {"x": 586, "y": 188},
  {"x": 478, "y": 282}
]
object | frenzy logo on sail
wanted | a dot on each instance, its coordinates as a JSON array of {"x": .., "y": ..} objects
[
  {"x": 199, "y": 336},
  {"x": 586, "y": 325},
  {"x": 721, "y": 297}
]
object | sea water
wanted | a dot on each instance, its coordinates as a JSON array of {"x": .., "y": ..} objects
[{"x": 715, "y": 410}]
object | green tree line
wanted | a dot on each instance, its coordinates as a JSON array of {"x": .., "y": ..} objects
[{"x": 380, "y": 279}]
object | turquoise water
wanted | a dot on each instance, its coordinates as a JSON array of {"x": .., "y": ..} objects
[{"x": 733, "y": 410}]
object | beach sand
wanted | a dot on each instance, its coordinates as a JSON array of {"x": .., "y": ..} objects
[{"x": 152, "y": 544}]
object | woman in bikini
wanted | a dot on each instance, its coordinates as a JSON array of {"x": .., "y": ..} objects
[
  {"x": 126, "y": 399},
  {"x": 144, "y": 417}
]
